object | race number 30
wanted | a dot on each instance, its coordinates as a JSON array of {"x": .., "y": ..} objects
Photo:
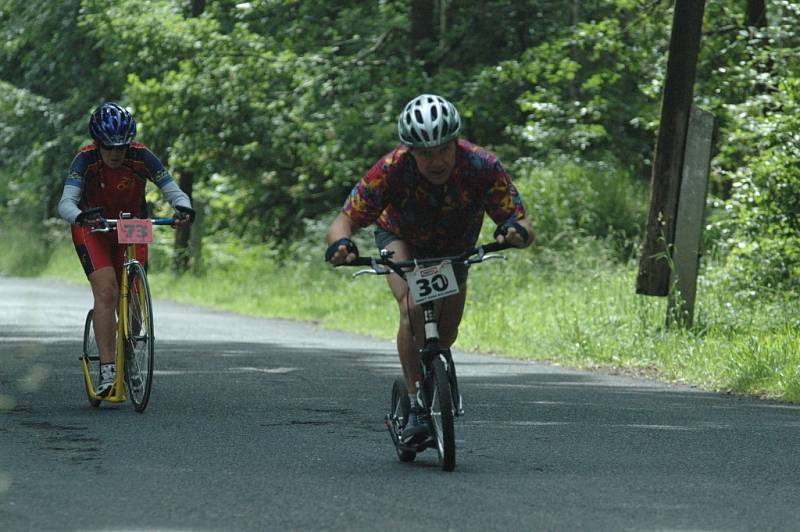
[{"x": 432, "y": 282}]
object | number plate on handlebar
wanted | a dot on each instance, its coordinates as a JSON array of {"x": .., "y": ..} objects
[
  {"x": 134, "y": 231},
  {"x": 432, "y": 282}
]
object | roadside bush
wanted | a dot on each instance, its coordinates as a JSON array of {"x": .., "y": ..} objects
[
  {"x": 762, "y": 231},
  {"x": 568, "y": 201}
]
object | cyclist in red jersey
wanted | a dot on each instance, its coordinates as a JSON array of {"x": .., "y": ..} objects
[
  {"x": 427, "y": 198},
  {"x": 110, "y": 175}
]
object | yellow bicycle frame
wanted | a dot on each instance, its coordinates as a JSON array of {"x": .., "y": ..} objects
[{"x": 117, "y": 392}]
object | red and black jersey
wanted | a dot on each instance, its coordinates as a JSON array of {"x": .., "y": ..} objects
[{"x": 120, "y": 189}]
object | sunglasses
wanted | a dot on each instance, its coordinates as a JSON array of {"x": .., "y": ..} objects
[{"x": 110, "y": 148}]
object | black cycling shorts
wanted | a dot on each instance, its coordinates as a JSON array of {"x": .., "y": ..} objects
[{"x": 383, "y": 238}]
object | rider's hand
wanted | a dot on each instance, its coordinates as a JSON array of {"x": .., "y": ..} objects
[
  {"x": 183, "y": 216},
  {"x": 341, "y": 251},
  {"x": 90, "y": 218},
  {"x": 513, "y": 233}
]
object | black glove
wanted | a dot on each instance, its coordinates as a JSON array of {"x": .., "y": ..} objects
[
  {"x": 188, "y": 211},
  {"x": 503, "y": 230},
  {"x": 85, "y": 218},
  {"x": 333, "y": 248}
]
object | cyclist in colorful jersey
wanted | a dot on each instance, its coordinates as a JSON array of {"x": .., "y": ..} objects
[
  {"x": 106, "y": 178},
  {"x": 427, "y": 198}
]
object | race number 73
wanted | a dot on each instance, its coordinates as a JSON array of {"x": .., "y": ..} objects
[
  {"x": 134, "y": 231},
  {"x": 432, "y": 282}
]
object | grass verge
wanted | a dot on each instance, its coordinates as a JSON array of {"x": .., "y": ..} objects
[{"x": 575, "y": 308}]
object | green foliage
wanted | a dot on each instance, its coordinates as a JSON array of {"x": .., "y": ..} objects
[
  {"x": 757, "y": 167},
  {"x": 587, "y": 92},
  {"x": 277, "y": 107},
  {"x": 763, "y": 230},
  {"x": 567, "y": 201},
  {"x": 29, "y": 121}
]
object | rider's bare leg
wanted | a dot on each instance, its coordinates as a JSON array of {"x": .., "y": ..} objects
[{"x": 105, "y": 291}]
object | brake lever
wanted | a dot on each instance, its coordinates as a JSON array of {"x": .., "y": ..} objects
[
  {"x": 377, "y": 269},
  {"x": 105, "y": 228}
]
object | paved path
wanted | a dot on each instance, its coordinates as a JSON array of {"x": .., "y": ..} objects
[{"x": 261, "y": 424}]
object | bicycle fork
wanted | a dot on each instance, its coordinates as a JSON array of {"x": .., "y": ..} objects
[{"x": 429, "y": 351}]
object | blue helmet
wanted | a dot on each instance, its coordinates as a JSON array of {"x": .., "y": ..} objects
[{"x": 112, "y": 125}]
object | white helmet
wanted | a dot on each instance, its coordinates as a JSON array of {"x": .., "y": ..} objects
[{"x": 428, "y": 120}]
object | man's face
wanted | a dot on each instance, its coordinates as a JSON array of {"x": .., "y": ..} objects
[
  {"x": 113, "y": 157},
  {"x": 436, "y": 163}
]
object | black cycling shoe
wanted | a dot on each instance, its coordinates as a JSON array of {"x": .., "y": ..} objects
[{"x": 416, "y": 430}]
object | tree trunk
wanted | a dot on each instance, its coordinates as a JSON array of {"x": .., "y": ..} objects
[
  {"x": 656, "y": 258},
  {"x": 423, "y": 32},
  {"x": 183, "y": 234},
  {"x": 756, "y": 14},
  {"x": 198, "y": 6}
]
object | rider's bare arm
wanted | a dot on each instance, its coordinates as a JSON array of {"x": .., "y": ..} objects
[{"x": 342, "y": 227}]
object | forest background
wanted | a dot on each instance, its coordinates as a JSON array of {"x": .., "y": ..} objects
[{"x": 268, "y": 111}]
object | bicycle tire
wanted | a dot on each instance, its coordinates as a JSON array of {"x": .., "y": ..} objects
[
  {"x": 458, "y": 407},
  {"x": 91, "y": 354},
  {"x": 139, "y": 343},
  {"x": 442, "y": 414},
  {"x": 400, "y": 407}
]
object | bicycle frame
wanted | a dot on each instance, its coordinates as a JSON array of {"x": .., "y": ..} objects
[
  {"x": 118, "y": 394},
  {"x": 433, "y": 390},
  {"x": 431, "y": 346},
  {"x": 431, "y": 329}
]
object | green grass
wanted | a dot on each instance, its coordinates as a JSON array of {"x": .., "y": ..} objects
[{"x": 576, "y": 308}]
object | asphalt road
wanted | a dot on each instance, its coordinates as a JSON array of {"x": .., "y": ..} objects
[{"x": 259, "y": 424}]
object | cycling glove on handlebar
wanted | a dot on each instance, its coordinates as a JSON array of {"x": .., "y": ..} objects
[
  {"x": 503, "y": 230},
  {"x": 333, "y": 248},
  {"x": 88, "y": 215},
  {"x": 186, "y": 210}
]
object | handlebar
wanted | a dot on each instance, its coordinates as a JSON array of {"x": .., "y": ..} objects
[
  {"x": 484, "y": 252},
  {"x": 110, "y": 223}
]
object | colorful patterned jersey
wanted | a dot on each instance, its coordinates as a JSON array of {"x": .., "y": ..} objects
[
  {"x": 116, "y": 189},
  {"x": 446, "y": 218}
]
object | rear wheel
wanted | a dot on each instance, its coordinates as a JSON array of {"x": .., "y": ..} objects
[
  {"x": 442, "y": 414},
  {"x": 139, "y": 349},
  {"x": 399, "y": 417},
  {"x": 91, "y": 355}
]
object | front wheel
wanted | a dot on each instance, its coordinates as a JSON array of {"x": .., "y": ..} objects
[
  {"x": 442, "y": 414},
  {"x": 398, "y": 417},
  {"x": 138, "y": 343},
  {"x": 91, "y": 357}
]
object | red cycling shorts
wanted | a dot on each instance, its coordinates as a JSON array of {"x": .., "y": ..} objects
[{"x": 101, "y": 250}]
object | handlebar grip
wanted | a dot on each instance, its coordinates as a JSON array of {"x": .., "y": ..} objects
[
  {"x": 496, "y": 246},
  {"x": 358, "y": 261}
]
